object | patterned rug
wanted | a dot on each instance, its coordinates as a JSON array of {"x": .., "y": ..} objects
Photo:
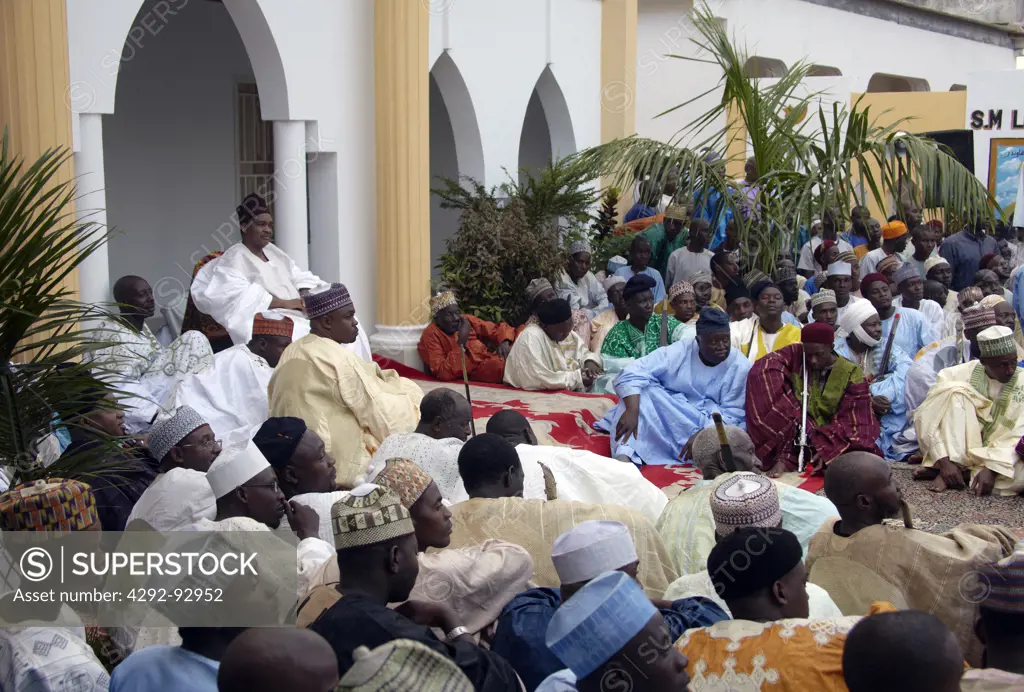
[{"x": 566, "y": 419}]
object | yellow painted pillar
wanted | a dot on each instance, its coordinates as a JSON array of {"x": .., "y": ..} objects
[
  {"x": 618, "y": 76},
  {"x": 401, "y": 83},
  {"x": 735, "y": 143},
  {"x": 34, "y": 81}
]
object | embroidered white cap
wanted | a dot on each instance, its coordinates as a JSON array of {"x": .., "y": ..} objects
[{"x": 591, "y": 549}]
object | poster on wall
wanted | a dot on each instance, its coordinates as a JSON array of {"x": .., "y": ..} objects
[{"x": 1006, "y": 155}]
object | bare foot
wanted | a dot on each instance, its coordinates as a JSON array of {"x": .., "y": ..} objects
[
  {"x": 938, "y": 485},
  {"x": 984, "y": 482},
  {"x": 777, "y": 470},
  {"x": 925, "y": 473},
  {"x": 915, "y": 458}
]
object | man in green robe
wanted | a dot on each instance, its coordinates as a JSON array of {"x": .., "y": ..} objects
[{"x": 667, "y": 237}]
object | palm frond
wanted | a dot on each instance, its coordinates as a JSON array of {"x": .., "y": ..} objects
[{"x": 44, "y": 381}]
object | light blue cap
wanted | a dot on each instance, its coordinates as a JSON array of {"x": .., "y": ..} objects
[{"x": 598, "y": 621}]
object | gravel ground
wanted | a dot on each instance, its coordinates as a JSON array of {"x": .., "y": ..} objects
[{"x": 938, "y": 512}]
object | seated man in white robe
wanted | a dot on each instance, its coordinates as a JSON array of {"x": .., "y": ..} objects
[
  {"x": 669, "y": 396},
  {"x": 351, "y": 403},
  {"x": 305, "y": 471},
  {"x": 575, "y": 474},
  {"x": 973, "y": 420},
  {"x": 232, "y": 396},
  {"x": 745, "y": 500},
  {"x": 42, "y": 645},
  {"x": 250, "y": 499},
  {"x": 185, "y": 446},
  {"x": 255, "y": 276},
  {"x": 550, "y": 355},
  {"x": 135, "y": 362},
  {"x": 434, "y": 446}
]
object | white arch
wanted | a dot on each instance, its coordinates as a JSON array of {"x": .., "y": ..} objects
[
  {"x": 469, "y": 148},
  {"x": 251, "y": 24},
  {"x": 556, "y": 112}
]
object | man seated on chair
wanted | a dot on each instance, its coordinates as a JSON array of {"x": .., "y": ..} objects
[
  {"x": 255, "y": 276},
  {"x": 973, "y": 420},
  {"x": 350, "y": 403},
  {"x": 859, "y": 560},
  {"x": 232, "y": 395},
  {"x": 133, "y": 361},
  {"x": 453, "y": 340},
  {"x": 839, "y": 415},
  {"x": 550, "y": 355}
]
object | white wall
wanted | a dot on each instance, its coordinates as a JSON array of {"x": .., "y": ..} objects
[
  {"x": 535, "y": 141},
  {"x": 790, "y": 30},
  {"x": 501, "y": 57},
  {"x": 313, "y": 65},
  {"x": 993, "y": 91},
  {"x": 170, "y": 150}
]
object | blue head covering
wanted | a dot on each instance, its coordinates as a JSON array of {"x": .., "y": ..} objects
[
  {"x": 712, "y": 321},
  {"x": 600, "y": 619}
]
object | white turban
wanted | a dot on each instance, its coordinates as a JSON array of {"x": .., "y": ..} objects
[{"x": 853, "y": 317}]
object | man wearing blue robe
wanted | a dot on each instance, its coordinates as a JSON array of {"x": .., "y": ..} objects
[
  {"x": 859, "y": 341},
  {"x": 914, "y": 331},
  {"x": 668, "y": 396}
]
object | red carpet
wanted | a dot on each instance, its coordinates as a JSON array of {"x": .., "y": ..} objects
[{"x": 566, "y": 419}]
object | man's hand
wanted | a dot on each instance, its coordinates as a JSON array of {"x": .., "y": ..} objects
[
  {"x": 880, "y": 405},
  {"x": 430, "y": 614},
  {"x": 279, "y": 304},
  {"x": 687, "y": 448},
  {"x": 303, "y": 520},
  {"x": 629, "y": 421},
  {"x": 984, "y": 482},
  {"x": 593, "y": 367},
  {"x": 139, "y": 442},
  {"x": 503, "y": 348},
  {"x": 950, "y": 474},
  {"x": 464, "y": 329}
]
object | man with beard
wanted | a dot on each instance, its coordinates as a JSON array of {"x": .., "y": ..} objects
[
  {"x": 669, "y": 396},
  {"x": 859, "y": 560},
  {"x": 453, "y": 336},
  {"x": 839, "y": 414},
  {"x": 765, "y": 332}
]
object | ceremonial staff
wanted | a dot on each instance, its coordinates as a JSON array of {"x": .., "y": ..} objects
[
  {"x": 723, "y": 442},
  {"x": 465, "y": 381}
]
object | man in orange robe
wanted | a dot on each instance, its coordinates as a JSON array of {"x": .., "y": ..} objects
[{"x": 441, "y": 341}]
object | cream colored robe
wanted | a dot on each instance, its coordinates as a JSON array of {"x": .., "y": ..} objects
[
  {"x": 350, "y": 403},
  {"x": 536, "y": 362},
  {"x": 910, "y": 569},
  {"x": 975, "y": 431},
  {"x": 535, "y": 524}
]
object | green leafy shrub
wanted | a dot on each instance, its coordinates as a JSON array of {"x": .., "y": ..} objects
[{"x": 493, "y": 257}]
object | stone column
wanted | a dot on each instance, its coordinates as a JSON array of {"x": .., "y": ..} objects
[
  {"x": 35, "y": 82},
  {"x": 291, "y": 218},
  {"x": 94, "y": 271},
  {"x": 401, "y": 80},
  {"x": 618, "y": 77}
]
